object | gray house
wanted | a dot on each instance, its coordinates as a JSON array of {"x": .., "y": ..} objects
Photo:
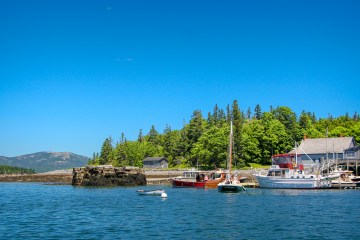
[
  {"x": 319, "y": 149},
  {"x": 352, "y": 153},
  {"x": 155, "y": 162}
]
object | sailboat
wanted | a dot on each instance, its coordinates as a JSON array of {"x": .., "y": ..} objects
[{"x": 230, "y": 184}]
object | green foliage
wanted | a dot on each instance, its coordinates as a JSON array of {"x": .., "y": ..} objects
[
  {"x": 288, "y": 118},
  {"x": 153, "y": 136},
  {"x": 106, "y": 155},
  {"x": 339, "y": 131},
  {"x": 194, "y": 131},
  {"x": 256, "y": 166},
  {"x": 238, "y": 121},
  {"x": 211, "y": 149},
  {"x": 206, "y": 141},
  {"x": 355, "y": 131},
  {"x": 258, "y": 113},
  {"x": 15, "y": 170}
]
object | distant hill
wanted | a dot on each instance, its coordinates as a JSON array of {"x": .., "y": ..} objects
[{"x": 46, "y": 161}]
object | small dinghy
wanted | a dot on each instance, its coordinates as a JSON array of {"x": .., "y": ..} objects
[{"x": 156, "y": 192}]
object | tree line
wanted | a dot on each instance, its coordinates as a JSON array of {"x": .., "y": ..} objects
[
  {"x": 203, "y": 141},
  {"x": 15, "y": 170}
]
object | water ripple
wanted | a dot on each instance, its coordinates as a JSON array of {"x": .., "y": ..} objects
[{"x": 38, "y": 211}]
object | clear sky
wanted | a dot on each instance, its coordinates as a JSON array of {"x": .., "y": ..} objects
[{"x": 73, "y": 72}]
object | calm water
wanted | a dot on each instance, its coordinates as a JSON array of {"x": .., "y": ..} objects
[{"x": 39, "y": 211}]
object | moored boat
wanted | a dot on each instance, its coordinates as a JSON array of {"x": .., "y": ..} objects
[
  {"x": 155, "y": 192},
  {"x": 288, "y": 172},
  {"x": 198, "y": 179},
  {"x": 231, "y": 183},
  {"x": 345, "y": 179}
]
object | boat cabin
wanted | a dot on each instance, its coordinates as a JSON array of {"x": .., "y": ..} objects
[
  {"x": 201, "y": 175},
  {"x": 191, "y": 174},
  {"x": 286, "y": 172},
  {"x": 290, "y": 161}
]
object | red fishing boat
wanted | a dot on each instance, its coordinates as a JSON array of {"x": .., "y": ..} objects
[{"x": 198, "y": 179}]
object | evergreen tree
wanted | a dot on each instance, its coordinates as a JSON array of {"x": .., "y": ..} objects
[
  {"x": 106, "y": 152},
  {"x": 120, "y": 155},
  {"x": 238, "y": 122},
  {"x": 122, "y": 139},
  {"x": 305, "y": 120},
  {"x": 216, "y": 114},
  {"x": 313, "y": 118},
  {"x": 228, "y": 114},
  {"x": 258, "y": 113},
  {"x": 347, "y": 116},
  {"x": 171, "y": 140},
  {"x": 356, "y": 116},
  {"x": 222, "y": 116},
  {"x": 287, "y": 117},
  {"x": 140, "y": 136},
  {"x": 210, "y": 119},
  {"x": 248, "y": 113},
  {"x": 153, "y": 135},
  {"x": 194, "y": 131}
]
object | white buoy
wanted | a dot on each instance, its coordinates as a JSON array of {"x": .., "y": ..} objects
[{"x": 164, "y": 195}]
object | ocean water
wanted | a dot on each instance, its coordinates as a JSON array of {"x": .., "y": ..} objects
[{"x": 40, "y": 211}]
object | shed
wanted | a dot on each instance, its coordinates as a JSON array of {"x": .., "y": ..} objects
[{"x": 155, "y": 162}]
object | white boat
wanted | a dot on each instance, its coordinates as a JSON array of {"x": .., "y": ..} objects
[
  {"x": 344, "y": 179},
  {"x": 156, "y": 192},
  {"x": 287, "y": 172},
  {"x": 231, "y": 183}
]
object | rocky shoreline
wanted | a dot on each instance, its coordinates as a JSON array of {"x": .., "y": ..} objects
[{"x": 153, "y": 177}]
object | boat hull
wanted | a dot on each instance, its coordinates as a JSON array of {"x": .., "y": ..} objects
[
  {"x": 291, "y": 183},
  {"x": 151, "y": 192},
  {"x": 213, "y": 183},
  {"x": 230, "y": 188},
  {"x": 177, "y": 183}
]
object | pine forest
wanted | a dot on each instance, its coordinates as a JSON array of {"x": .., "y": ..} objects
[{"x": 203, "y": 141}]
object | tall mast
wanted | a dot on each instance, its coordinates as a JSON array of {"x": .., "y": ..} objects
[
  {"x": 296, "y": 160},
  {"x": 230, "y": 148}
]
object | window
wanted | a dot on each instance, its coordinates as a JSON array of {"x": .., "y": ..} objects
[{"x": 350, "y": 155}]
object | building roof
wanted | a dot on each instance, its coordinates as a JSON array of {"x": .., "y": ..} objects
[
  {"x": 354, "y": 149},
  {"x": 323, "y": 145},
  {"x": 154, "y": 159}
]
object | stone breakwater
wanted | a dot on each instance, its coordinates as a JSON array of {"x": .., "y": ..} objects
[{"x": 108, "y": 175}]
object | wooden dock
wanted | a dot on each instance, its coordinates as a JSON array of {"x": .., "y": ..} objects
[{"x": 250, "y": 184}]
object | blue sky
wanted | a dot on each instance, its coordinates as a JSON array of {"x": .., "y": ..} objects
[{"x": 75, "y": 72}]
